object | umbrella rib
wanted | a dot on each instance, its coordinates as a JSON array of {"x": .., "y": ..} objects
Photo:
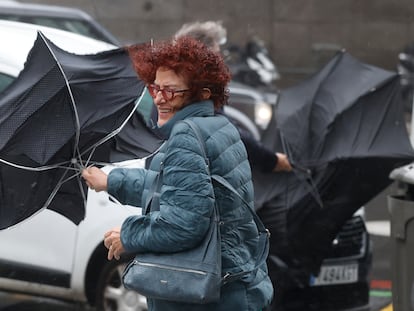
[
  {"x": 82, "y": 191},
  {"x": 36, "y": 169},
  {"x": 61, "y": 181},
  {"x": 113, "y": 133},
  {"x": 77, "y": 129},
  {"x": 116, "y": 164}
]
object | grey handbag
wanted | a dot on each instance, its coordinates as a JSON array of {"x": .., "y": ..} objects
[{"x": 190, "y": 276}]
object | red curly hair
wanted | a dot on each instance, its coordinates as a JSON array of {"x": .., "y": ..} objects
[{"x": 199, "y": 65}]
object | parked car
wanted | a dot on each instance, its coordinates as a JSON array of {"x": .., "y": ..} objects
[
  {"x": 47, "y": 255},
  {"x": 343, "y": 281},
  {"x": 65, "y": 18},
  {"x": 18, "y": 38}
]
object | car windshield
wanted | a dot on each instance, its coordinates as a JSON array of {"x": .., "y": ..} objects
[{"x": 72, "y": 25}]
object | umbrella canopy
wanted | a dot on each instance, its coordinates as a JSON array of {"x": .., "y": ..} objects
[
  {"x": 343, "y": 129},
  {"x": 62, "y": 113}
]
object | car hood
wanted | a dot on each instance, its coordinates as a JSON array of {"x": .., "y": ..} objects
[{"x": 18, "y": 39}]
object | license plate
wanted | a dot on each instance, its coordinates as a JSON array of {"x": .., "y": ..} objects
[{"x": 341, "y": 274}]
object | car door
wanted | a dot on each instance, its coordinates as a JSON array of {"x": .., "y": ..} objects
[{"x": 39, "y": 249}]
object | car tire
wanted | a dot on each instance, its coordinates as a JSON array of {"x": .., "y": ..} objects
[{"x": 112, "y": 295}]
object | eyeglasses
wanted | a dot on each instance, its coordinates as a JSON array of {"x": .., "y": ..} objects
[{"x": 167, "y": 93}]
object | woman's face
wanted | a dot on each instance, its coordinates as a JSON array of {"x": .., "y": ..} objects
[{"x": 169, "y": 91}]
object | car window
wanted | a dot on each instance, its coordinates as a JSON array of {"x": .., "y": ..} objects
[
  {"x": 73, "y": 25},
  {"x": 5, "y": 81}
]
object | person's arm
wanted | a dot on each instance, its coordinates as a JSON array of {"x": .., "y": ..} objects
[
  {"x": 186, "y": 201},
  {"x": 263, "y": 158},
  {"x": 259, "y": 156},
  {"x": 127, "y": 185}
]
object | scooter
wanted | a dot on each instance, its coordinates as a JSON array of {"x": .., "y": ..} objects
[{"x": 251, "y": 64}]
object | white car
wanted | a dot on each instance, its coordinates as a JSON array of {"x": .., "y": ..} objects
[
  {"x": 18, "y": 38},
  {"x": 61, "y": 17},
  {"x": 47, "y": 255}
]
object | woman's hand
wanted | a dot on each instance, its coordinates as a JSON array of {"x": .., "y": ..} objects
[
  {"x": 95, "y": 178},
  {"x": 112, "y": 241}
]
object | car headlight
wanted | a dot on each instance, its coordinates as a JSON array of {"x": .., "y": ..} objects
[{"x": 262, "y": 114}]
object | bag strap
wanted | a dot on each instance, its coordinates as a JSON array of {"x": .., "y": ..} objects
[
  {"x": 152, "y": 202},
  {"x": 264, "y": 234}
]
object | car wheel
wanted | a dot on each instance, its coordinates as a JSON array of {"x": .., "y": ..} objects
[{"x": 112, "y": 295}]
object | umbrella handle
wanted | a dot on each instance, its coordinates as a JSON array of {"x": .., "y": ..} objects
[
  {"x": 313, "y": 189},
  {"x": 288, "y": 152},
  {"x": 308, "y": 172}
]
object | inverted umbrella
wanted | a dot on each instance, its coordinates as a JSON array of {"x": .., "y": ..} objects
[
  {"x": 62, "y": 113},
  {"x": 343, "y": 129}
]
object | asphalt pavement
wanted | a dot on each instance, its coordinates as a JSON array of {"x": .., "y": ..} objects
[
  {"x": 24, "y": 303},
  {"x": 20, "y": 302}
]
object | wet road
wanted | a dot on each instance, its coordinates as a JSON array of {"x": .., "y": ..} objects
[{"x": 18, "y": 302}]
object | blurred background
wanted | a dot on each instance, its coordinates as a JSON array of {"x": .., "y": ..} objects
[{"x": 300, "y": 35}]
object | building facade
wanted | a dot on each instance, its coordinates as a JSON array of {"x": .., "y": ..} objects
[{"x": 301, "y": 35}]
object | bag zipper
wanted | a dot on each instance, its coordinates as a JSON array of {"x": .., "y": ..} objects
[{"x": 136, "y": 262}]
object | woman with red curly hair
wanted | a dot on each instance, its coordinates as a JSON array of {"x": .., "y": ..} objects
[{"x": 189, "y": 81}]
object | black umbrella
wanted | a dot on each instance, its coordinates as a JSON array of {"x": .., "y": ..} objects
[
  {"x": 62, "y": 113},
  {"x": 344, "y": 131}
]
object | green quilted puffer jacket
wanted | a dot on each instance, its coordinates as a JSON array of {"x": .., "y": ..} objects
[{"x": 186, "y": 203}]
